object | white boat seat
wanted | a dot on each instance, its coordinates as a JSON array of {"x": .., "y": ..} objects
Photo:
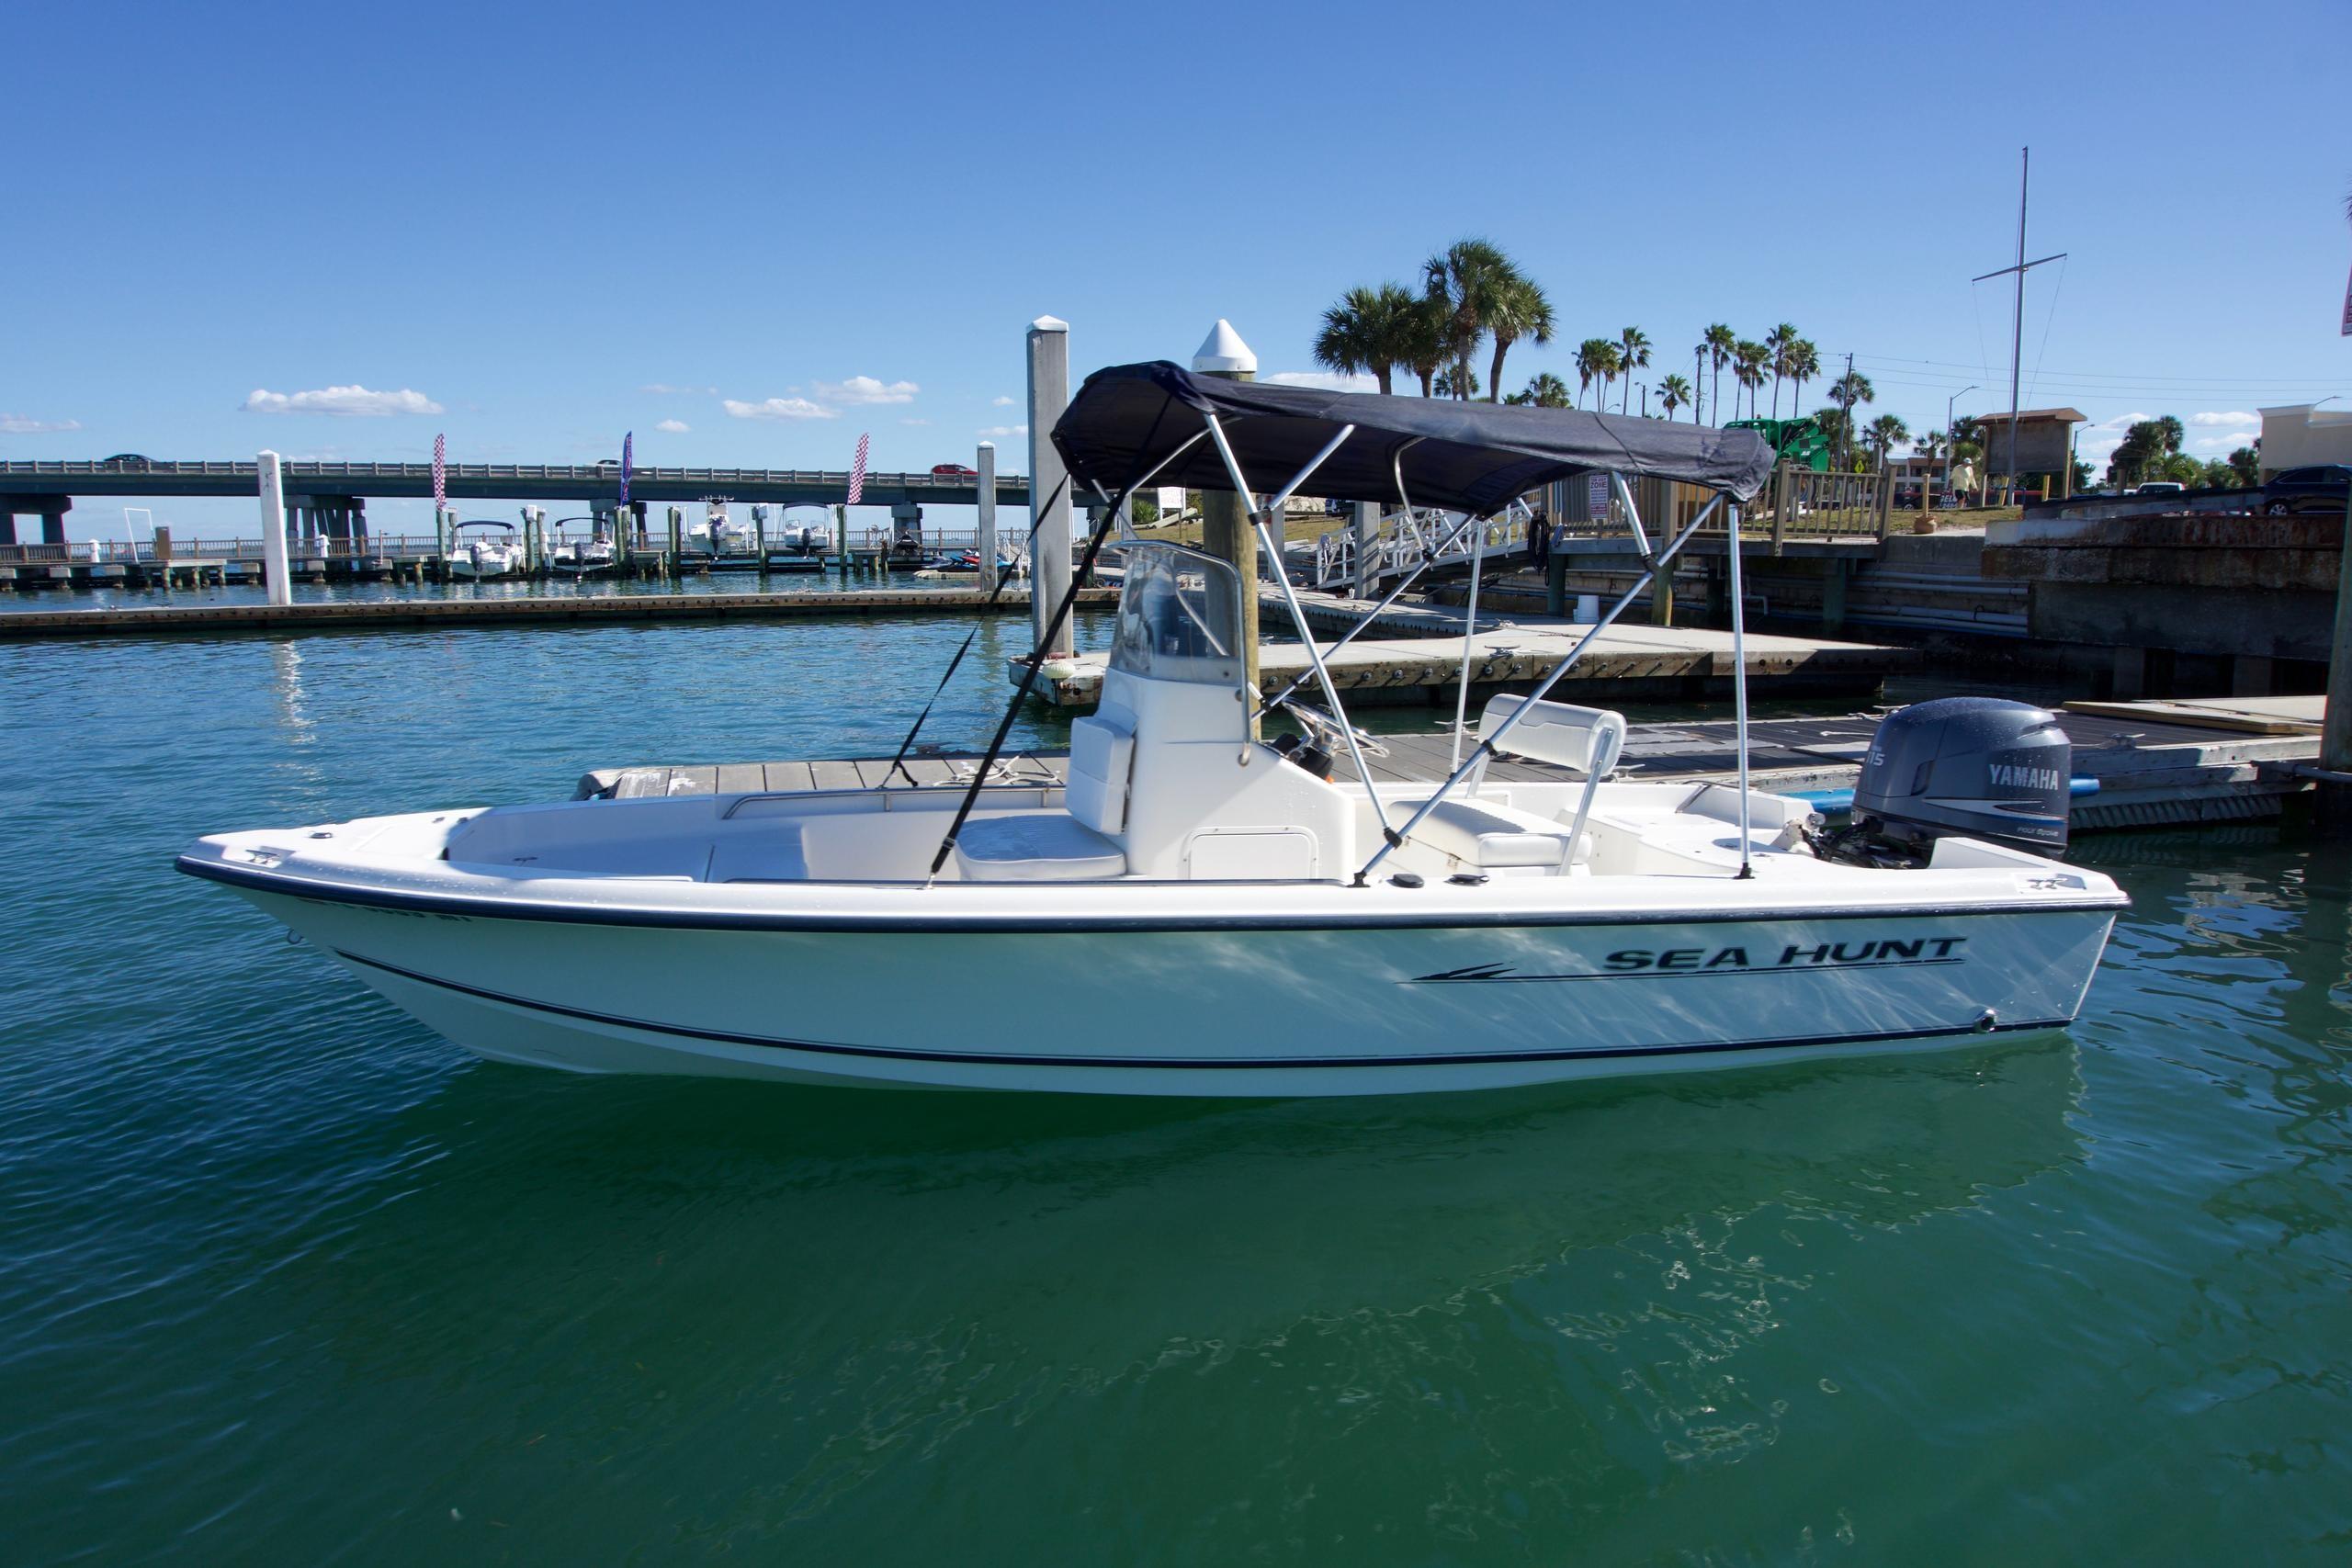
[
  {"x": 1494, "y": 836},
  {"x": 770, "y": 855},
  {"x": 1045, "y": 846}
]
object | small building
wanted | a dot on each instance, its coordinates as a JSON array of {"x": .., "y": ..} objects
[
  {"x": 2045, "y": 446},
  {"x": 2298, "y": 434}
]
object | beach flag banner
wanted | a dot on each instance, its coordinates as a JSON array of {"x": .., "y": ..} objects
[
  {"x": 628, "y": 453},
  {"x": 2347, "y": 309},
  {"x": 857, "y": 470},
  {"x": 440, "y": 459}
]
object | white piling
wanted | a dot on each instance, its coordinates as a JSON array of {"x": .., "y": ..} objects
[
  {"x": 1050, "y": 562},
  {"x": 985, "y": 544},
  {"x": 273, "y": 531}
]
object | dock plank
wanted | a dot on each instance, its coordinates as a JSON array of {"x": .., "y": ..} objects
[
  {"x": 825, "y": 774},
  {"x": 741, "y": 778},
  {"x": 788, "y": 776}
]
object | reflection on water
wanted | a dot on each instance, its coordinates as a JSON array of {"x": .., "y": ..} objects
[{"x": 285, "y": 1278}]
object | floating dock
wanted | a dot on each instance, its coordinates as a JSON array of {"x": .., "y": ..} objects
[
  {"x": 1629, "y": 661},
  {"x": 535, "y": 610},
  {"x": 2150, "y": 772}
]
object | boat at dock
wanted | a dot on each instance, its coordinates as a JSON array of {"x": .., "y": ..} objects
[
  {"x": 483, "y": 550},
  {"x": 1214, "y": 914},
  {"x": 581, "y": 557}
]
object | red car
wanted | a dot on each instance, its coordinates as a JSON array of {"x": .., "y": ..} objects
[{"x": 953, "y": 471}]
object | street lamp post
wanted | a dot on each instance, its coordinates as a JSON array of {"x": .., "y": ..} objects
[{"x": 1948, "y": 438}]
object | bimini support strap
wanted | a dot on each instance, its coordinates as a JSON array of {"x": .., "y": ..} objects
[
  {"x": 1003, "y": 576},
  {"x": 1486, "y": 748},
  {"x": 1036, "y": 659}
]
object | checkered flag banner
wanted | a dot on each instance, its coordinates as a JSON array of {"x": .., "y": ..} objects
[
  {"x": 628, "y": 462},
  {"x": 440, "y": 459},
  {"x": 857, "y": 470}
]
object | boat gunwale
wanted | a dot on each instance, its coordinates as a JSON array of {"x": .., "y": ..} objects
[{"x": 990, "y": 923}]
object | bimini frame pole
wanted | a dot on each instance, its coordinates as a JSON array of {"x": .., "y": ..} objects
[
  {"x": 1739, "y": 689},
  {"x": 1510, "y": 721},
  {"x": 1469, "y": 635},
  {"x": 1397, "y": 463},
  {"x": 1289, "y": 595}
]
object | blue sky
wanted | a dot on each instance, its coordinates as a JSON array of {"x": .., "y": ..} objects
[{"x": 516, "y": 225}]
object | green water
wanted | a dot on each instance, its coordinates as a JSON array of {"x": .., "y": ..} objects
[{"x": 284, "y": 1278}]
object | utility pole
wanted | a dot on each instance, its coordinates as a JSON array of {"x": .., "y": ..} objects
[
  {"x": 1951, "y": 438},
  {"x": 2017, "y": 319},
  {"x": 1698, "y": 378}
]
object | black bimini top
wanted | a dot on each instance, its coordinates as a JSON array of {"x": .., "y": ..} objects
[{"x": 1463, "y": 456}]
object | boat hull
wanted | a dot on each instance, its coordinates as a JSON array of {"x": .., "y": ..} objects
[{"x": 1356, "y": 1009}]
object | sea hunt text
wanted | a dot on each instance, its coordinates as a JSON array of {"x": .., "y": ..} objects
[
  {"x": 1793, "y": 958},
  {"x": 1826, "y": 954}
]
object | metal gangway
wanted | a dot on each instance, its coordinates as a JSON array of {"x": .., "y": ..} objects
[{"x": 1408, "y": 539}]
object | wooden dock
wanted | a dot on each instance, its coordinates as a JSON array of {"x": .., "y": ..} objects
[
  {"x": 2150, "y": 772},
  {"x": 1630, "y": 661},
  {"x": 537, "y": 609}
]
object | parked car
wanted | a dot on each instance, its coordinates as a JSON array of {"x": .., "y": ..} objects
[
  {"x": 2161, "y": 487},
  {"x": 2324, "y": 486},
  {"x": 953, "y": 471}
]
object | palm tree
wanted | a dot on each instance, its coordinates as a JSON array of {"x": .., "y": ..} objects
[
  {"x": 1718, "y": 341},
  {"x": 1447, "y": 387},
  {"x": 1749, "y": 371},
  {"x": 1886, "y": 432},
  {"x": 1803, "y": 365},
  {"x": 1469, "y": 277},
  {"x": 1931, "y": 445},
  {"x": 1596, "y": 361},
  {"x": 1852, "y": 387},
  {"x": 1422, "y": 336},
  {"x": 1776, "y": 345},
  {"x": 1520, "y": 310},
  {"x": 1369, "y": 331},
  {"x": 1544, "y": 390},
  {"x": 1672, "y": 393},
  {"x": 1633, "y": 354}
]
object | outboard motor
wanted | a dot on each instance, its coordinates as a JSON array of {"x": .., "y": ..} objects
[{"x": 1967, "y": 767}]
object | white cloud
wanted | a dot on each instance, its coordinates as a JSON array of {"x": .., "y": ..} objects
[
  {"x": 2222, "y": 444},
  {"x": 1006, "y": 430},
  {"x": 914, "y": 422},
  {"x": 25, "y": 424},
  {"x": 1000, "y": 402},
  {"x": 777, "y": 408},
  {"x": 673, "y": 426},
  {"x": 663, "y": 389},
  {"x": 866, "y": 389},
  {"x": 2230, "y": 418},
  {"x": 340, "y": 400},
  {"x": 1323, "y": 380}
]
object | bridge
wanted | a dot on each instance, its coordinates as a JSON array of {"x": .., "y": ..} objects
[{"x": 338, "y": 491}]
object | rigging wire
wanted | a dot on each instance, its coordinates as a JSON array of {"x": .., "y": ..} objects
[{"x": 2056, "y": 289}]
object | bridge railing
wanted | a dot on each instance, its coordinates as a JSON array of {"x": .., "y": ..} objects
[{"x": 595, "y": 474}]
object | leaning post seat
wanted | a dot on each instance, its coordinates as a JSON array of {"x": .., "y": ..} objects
[{"x": 1586, "y": 739}]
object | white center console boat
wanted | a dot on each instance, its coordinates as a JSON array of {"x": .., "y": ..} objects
[{"x": 1198, "y": 912}]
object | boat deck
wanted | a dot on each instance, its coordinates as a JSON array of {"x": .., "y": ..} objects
[{"x": 2152, "y": 772}]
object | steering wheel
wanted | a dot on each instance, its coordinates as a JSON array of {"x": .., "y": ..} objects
[{"x": 1329, "y": 733}]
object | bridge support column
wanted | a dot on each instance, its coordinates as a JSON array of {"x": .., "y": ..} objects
[
  {"x": 8, "y": 526},
  {"x": 906, "y": 530},
  {"x": 53, "y": 524}
]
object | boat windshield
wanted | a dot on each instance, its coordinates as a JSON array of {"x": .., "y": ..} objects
[{"x": 1180, "y": 617}]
